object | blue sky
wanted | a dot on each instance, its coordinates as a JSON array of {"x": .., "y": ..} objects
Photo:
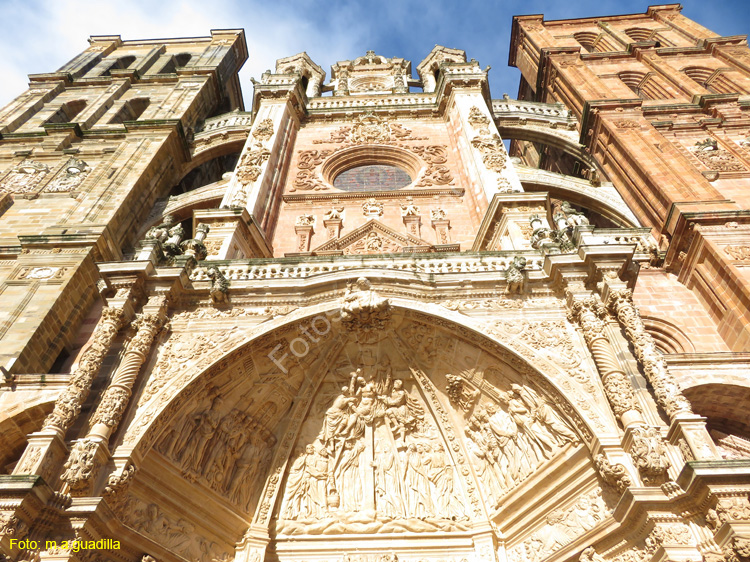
[{"x": 41, "y": 35}]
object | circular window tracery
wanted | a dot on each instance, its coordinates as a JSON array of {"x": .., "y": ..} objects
[
  {"x": 372, "y": 177},
  {"x": 371, "y": 168}
]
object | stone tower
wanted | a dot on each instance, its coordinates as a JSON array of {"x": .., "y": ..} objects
[{"x": 347, "y": 325}]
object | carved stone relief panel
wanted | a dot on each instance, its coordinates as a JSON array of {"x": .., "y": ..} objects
[
  {"x": 172, "y": 532},
  {"x": 714, "y": 157},
  {"x": 562, "y": 526},
  {"x": 369, "y": 457},
  {"x": 70, "y": 178},
  {"x": 25, "y": 177}
]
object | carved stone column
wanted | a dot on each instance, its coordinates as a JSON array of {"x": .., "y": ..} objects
[
  {"x": 46, "y": 448},
  {"x": 643, "y": 442},
  {"x": 109, "y": 412},
  {"x": 586, "y": 311},
  {"x": 441, "y": 225},
  {"x": 667, "y": 391},
  {"x": 89, "y": 453},
  {"x": 413, "y": 225},
  {"x": 68, "y": 404},
  {"x": 685, "y": 425},
  {"x": 304, "y": 231}
]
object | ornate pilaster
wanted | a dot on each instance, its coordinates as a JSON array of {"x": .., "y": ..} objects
[
  {"x": 88, "y": 454},
  {"x": 666, "y": 389},
  {"x": 46, "y": 448},
  {"x": 687, "y": 428},
  {"x": 587, "y": 312}
]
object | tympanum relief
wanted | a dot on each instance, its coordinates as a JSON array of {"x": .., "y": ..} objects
[
  {"x": 370, "y": 457},
  {"x": 398, "y": 426}
]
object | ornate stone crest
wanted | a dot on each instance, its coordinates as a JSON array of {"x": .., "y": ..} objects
[
  {"x": 370, "y": 128},
  {"x": 24, "y": 177}
]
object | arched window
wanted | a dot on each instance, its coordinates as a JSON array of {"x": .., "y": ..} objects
[
  {"x": 131, "y": 110},
  {"x": 640, "y": 33},
  {"x": 595, "y": 42},
  {"x": 645, "y": 86},
  {"x": 587, "y": 39},
  {"x": 182, "y": 59},
  {"x": 67, "y": 112},
  {"x": 713, "y": 80},
  {"x": 120, "y": 64}
]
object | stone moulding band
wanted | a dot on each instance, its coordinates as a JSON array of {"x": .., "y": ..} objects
[{"x": 396, "y": 194}]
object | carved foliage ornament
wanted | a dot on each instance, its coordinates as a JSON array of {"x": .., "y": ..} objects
[
  {"x": 369, "y": 129},
  {"x": 307, "y": 164},
  {"x": 650, "y": 455},
  {"x": 494, "y": 156},
  {"x": 80, "y": 465},
  {"x": 437, "y": 172},
  {"x": 615, "y": 475}
]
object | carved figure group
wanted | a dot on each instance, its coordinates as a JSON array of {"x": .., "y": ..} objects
[
  {"x": 511, "y": 441},
  {"x": 227, "y": 451},
  {"x": 375, "y": 452}
]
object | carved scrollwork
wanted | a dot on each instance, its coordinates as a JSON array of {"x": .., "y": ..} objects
[
  {"x": 615, "y": 475},
  {"x": 437, "y": 172},
  {"x": 307, "y": 164}
]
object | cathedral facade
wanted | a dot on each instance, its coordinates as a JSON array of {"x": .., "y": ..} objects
[{"x": 380, "y": 316}]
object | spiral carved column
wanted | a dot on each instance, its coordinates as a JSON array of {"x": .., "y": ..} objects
[
  {"x": 644, "y": 443},
  {"x": 115, "y": 399},
  {"x": 586, "y": 312},
  {"x": 46, "y": 448},
  {"x": 667, "y": 391},
  {"x": 68, "y": 404},
  {"x": 89, "y": 453},
  {"x": 688, "y": 431}
]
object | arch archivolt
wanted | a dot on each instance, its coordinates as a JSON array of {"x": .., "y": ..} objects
[
  {"x": 22, "y": 412},
  {"x": 603, "y": 199},
  {"x": 457, "y": 377}
]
